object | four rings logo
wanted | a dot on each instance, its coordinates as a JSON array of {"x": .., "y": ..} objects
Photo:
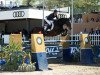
[{"x": 18, "y": 14}]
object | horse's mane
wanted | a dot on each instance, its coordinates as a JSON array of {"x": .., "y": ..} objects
[{"x": 63, "y": 20}]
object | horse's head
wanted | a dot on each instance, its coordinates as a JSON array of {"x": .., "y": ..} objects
[{"x": 65, "y": 24}]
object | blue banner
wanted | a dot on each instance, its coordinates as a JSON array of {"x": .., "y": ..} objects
[{"x": 53, "y": 51}]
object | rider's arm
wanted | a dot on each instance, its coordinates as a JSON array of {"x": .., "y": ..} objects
[{"x": 56, "y": 17}]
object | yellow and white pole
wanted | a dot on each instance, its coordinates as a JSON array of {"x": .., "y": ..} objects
[
  {"x": 66, "y": 48},
  {"x": 38, "y": 51},
  {"x": 86, "y": 54}
]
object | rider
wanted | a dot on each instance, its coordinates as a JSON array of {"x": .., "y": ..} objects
[{"x": 50, "y": 18}]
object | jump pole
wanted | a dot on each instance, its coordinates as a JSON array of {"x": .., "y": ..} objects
[
  {"x": 86, "y": 53},
  {"x": 38, "y": 52}
]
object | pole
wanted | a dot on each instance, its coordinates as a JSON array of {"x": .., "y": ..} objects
[
  {"x": 43, "y": 15},
  {"x": 72, "y": 21},
  {"x": 59, "y": 6},
  {"x": 5, "y": 3}
]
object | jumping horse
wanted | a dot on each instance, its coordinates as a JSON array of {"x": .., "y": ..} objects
[{"x": 59, "y": 26}]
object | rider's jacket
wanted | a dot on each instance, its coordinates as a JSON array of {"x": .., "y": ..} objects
[{"x": 51, "y": 17}]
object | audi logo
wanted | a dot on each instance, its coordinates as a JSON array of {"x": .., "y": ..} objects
[{"x": 18, "y": 14}]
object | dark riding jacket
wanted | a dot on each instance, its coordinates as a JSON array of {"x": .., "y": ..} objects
[{"x": 51, "y": 17}]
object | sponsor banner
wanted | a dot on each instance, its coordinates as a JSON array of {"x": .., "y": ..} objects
[{"x": 53, "y": 51}]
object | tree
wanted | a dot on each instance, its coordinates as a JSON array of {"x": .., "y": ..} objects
[
  {"x": 56, "y": 3},
  {"x": 48, "y": 3},
  {"x": 80, "y": 6},
  {"x": 28, "y": 2}
]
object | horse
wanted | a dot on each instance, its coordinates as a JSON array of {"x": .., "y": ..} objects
[{"x": 59, "y": 26}]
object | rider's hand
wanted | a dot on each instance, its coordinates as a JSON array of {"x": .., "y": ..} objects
[{"x": 54, "y": 18}]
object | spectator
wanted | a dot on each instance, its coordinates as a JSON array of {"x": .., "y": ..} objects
[
  {"x": 85, "y": 30},
  {"x": 97, "y": 31},
  {"x": 74, "y": 20},
  {"x": 15, "y": 4},
  {"x": 97, "y": 20},
  {"x": 24, "y": 32},
  {"x": 1, "y": 4},
  {"x": 80, "y": 20},
  {"x": 11, "y": 5},
  {"x": 91, "y": 31},
  {"x": 92, "y": 20}
]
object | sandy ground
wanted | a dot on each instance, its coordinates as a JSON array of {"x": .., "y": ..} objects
[{"x": 62, "y": 69}]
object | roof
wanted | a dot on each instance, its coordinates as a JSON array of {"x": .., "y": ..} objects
[
  {"x": 23, "y": 14},
  {"x": 64, "y": 9}
]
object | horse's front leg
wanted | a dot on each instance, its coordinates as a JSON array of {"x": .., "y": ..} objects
[
  {"x": 66, "y": 28},
  {"x": 64, "y": 33}
]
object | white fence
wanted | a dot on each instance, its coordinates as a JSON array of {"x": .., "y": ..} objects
[
  {"x": 95, "y": 39},
  {"x": 52, "y": 38}
]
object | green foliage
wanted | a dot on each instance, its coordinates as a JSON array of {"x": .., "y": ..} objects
[
  {"x": 26, "y": 2},
  {"x": 81, "y": 6},
  {"x": 26, "y": 67},
  {"x": 12, "y": 63},
  {"x": 48, "y": 3},
  {"x": 15, "y": 58},
  {"x": 12, "y": 47},
  {"x": 16, "y": 62}
]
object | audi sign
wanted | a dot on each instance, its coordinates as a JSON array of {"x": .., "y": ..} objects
[{"x": 17, "y": 14}]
